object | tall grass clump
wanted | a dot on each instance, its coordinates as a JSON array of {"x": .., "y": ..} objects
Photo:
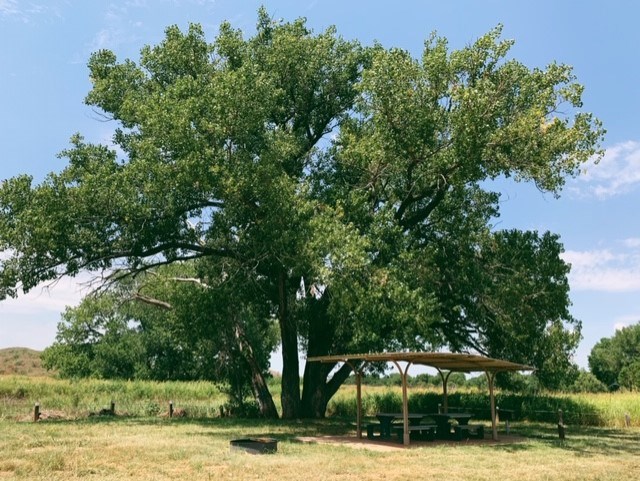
[{"x": 77, "y": 398}]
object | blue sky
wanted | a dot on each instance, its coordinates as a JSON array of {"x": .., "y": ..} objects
[{"x": 45, "y": 45}]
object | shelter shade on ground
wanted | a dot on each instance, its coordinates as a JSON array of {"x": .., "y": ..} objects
[{"x": 444, "y": 363}]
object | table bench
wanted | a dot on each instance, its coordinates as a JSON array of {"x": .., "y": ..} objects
[
  {"x": 387, "y": 421},
  {"x": 425, "y": 431},
  {"x": 468, "y": 431},
  {"x": 372, "y": 429}
]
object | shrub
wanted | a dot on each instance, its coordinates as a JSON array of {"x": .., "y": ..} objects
[{"x": 587, "y": 382}]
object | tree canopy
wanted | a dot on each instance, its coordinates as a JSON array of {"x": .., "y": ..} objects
[
  {"x": 615, "y": 361},
  {"x": 341, "y": 189}
]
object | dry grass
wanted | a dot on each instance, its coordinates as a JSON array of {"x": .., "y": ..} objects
[
  {"x": 199, "y": 450},
  {"x": 196, "y": 448},
  {"x": 21, "y": 361}
]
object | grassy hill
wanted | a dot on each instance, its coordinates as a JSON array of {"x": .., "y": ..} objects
[{"x": 21, "y": 361}]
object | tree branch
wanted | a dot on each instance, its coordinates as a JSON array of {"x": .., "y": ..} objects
[
  {"x": 421, "y": 214},
  {"x": 151, "y": 301},
  {"x": 338, "y": 379}
]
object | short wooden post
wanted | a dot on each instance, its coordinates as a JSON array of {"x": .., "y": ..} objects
[
  {"x": 627, "y": 420},
  {"x": 170, "y": 409},
  {"x": 36, "y": 412},
  {"x": 561, "y": 426},
  {"x": 113, "y": 408}
]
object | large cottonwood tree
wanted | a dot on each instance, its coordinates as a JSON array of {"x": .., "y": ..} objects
[{"x": 347, "y": 185}]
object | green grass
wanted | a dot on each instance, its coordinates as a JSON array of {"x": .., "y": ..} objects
[
  {"x": 145, "y": 445},
  {"x": 198, "y": 449}
]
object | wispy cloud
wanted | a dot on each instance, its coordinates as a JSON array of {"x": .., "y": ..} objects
[
  {"x": 118, "y": 27},
  {"x": 616, "y": 269},
  {"x": 53, "y": 298},
  {"x": 29, "y": 11},
  {"x": 9, "y": 7},
  {"x": 122, "y": 21},
  {"x": 618, "y": 172}
]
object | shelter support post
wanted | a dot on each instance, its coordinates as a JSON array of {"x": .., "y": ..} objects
[
  {"x": 491, "y": 377},
  {"x": 445, "y": 396},
  {"x": 358, "y": 374},
  {"x": 405, "y": 403},
  {"x": 359, "y": 402}
]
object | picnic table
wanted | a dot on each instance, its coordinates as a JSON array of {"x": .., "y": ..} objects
[
  {"x": 437, "y": 425},
  {"x": 461, "y": 429},
  {"x": 387, "y": 419}
]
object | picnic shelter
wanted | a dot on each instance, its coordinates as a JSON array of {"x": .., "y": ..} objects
[{"x": 444, "y": 362}]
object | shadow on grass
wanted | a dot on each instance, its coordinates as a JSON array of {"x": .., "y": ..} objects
[
  {"x": 581, "y": 440},
  {"x": 584, "y": 440}
]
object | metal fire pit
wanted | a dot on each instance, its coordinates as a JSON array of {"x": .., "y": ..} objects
[{"x": 255, "y": 445}]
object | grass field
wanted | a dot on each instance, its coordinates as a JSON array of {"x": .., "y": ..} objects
[
  {"x": 140, "y": 443},
  {"x": 163, "y": 449}
]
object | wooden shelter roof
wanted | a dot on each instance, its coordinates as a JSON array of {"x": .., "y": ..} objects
[{"x": 439, "y": 360}]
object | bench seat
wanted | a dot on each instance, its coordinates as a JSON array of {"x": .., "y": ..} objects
[
  {"x": 469, "y": 431},
  {"x": 424, "y": 431},
  {"x": 372, "y": 428}
]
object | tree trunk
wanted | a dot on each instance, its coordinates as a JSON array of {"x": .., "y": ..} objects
[
  {"x": 290, "y": 396},
  {"x": 263, "y": 395},
  {"x": 314, "y": 398},
  {"x": 258, "y": 384},
  {"x": 317, "y": 390}
]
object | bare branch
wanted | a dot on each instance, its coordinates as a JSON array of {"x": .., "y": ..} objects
[
  {"x": 193, "y": 280},
  {"x": 152, "y": 301}
]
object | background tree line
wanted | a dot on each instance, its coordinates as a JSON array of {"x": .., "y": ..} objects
[{"x": 615, "y": 361}]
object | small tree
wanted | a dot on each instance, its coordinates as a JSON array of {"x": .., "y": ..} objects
[
  {"x": 629, "y": 376},
  {"x": 587, "y": 382}
]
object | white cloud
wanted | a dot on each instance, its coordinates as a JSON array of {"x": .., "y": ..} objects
[
  {"x": 633, "y": 242},
  {"x": 618, "y": 172},
  {"x": 626, "y": 321},
  {"x": 582, "y": 259},
  {"x": 47, "y": 298},
  {"x": 606, "y": 270},
  {"x": 30, "y": 320}
]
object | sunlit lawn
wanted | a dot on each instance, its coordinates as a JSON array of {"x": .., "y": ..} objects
[{"x": 192, "y": 449}]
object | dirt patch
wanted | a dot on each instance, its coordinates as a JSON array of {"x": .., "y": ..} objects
[{"x": 392, "y": 445}]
